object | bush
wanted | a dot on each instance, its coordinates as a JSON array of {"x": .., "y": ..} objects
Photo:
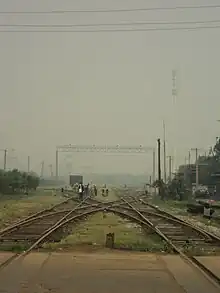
[{"x": 16, "y": 181}]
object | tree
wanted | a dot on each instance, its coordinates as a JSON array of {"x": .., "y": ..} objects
[
  {"x": 216, "y": 149},
  {"x": 32, "y": 181},
  {"x": 16, "y": 181}
]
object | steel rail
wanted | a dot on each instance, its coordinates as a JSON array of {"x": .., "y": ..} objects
[
  {"x": 101, "y": 206},
  {"x": 48, "y": 232},
  {"x": 141, "y": 219},
  {"x": 94, "y": 200},
  {"x": 39, "y": 215},
  {"x": 106, "y": 207},
  {"x": 211, "y": 235},
  {"x": 120, "y": 201},
  {"x": 171, "y": 218},
  {"x": 58, "y": 225},
  {"x": 31, "y": 220},
  {"x": 214, "y": 279},
  {"x": 34, "y": 215}
]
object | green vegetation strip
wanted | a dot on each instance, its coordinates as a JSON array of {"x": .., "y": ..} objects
[
  {"x": 92, "y": 232},
  {"x": 12, "y": 210}
]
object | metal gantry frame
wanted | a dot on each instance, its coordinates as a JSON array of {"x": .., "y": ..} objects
[{"x": 123, "y": 149}]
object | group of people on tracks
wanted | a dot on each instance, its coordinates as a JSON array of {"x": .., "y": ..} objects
[{"x": 84, "y": 190}]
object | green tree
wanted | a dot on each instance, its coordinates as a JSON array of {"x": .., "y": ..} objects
[{"x": 16, "y": 181}]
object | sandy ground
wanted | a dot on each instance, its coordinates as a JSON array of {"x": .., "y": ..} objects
[{"x": 103, "y": 272}]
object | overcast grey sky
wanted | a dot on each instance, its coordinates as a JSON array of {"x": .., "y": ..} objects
[{"x": 107, "y": 88}]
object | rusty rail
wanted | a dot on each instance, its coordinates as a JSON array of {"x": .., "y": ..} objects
[{"x": 147, "y": 219}]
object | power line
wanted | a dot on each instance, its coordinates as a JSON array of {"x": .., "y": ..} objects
[
  {"x": 114, "y": 10},
  {"x": 195, "y": 28},
  {"x": 110, "y": 24}
]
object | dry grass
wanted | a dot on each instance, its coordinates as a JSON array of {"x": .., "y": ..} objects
[
  {"x": 17, "y": 207},
  {"x": 179, "y": 209},
  {"x": 171, "y": 206},
  {"x": 92, "y": 232}
]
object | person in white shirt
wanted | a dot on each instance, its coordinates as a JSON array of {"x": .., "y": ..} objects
[{"x": 80, "y": 190}]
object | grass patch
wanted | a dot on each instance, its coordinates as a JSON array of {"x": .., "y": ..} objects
[
  {"x": 172, "y": 206},
  {"x": 92, "y": 232},
  {"x": 15, "y": 208},
  {"x": 111, "y": 196},
  {"x": 179, "y": 208},
  {"x": 196, "y": 250},
  {"x": 16, "y": 248}
]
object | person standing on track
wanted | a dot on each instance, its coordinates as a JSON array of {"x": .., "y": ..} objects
[
  {"x": 87, "y": 189},
  {"x": 81, "y": 191},
  {"x": 95, "y": 190}
]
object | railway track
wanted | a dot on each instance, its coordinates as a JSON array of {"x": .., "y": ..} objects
[
  {"x": 33, "y": 227},
  {"x": 171, "y": 225},
  {"x": 115, "y": 202},
  {"x": 67, "y": 203},
  {"x": 185, "y": 239},
  {"x": 49, "y": 225},
  {"x": 53, "y": 224}
]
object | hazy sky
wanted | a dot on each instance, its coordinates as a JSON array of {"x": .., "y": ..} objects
[{"x": 107, "y": 88}]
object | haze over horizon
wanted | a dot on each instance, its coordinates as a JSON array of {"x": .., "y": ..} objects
[{"x": 106, "y": 87}]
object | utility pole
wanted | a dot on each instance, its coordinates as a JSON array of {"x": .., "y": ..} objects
[
  {"x": 159, "y": 162},
  {"x": 154, "y": 171},
  {"x": 185, "y": 171},
  {"x": 197, "y": 170},
  {"x": 197, "y": 167},
  {"x": 5, "y": 159},
  {"x": 28, "y": 164},
  {"x": 189, "y": 165},
  {"x": 57, "y": 174},
  {"x": 159, "y": 166},
  {"x": 154, "y": 166},
  {"x": 42, "y": 170},
  {"x": 150, "y": 182},
  {"x": 164, "y": 153},
  {"x": 170, "y": 167},
  {"x": 51, "y": 170}
]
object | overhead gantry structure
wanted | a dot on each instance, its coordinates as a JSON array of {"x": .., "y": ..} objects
[{"x": 123, "y": 149}]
